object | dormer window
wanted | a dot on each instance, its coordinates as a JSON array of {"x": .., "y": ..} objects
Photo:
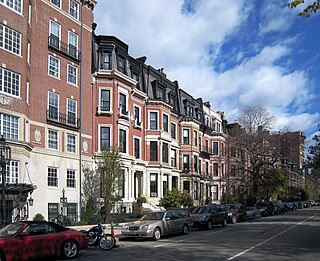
[
  {"x": 105, "y": 60},
  {"x": 160, "y": 93},
  {"x": 121, "y": 64},
  {"x": 171, "y": 98}
]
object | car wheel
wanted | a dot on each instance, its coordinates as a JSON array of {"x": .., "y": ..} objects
[
  {"x": 233, "y": 220},
  {"x": 2, "y": 257},
  {"x": 70, "y": 249},
  {"x": 209, "y": 225},
  {"x": 156, "y": 234},
  {"x": 185, "y": 229},
  {"x": 224, "y": 222}
]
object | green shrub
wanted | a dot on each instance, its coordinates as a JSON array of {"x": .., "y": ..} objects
[{"x": 38, "y": 217}]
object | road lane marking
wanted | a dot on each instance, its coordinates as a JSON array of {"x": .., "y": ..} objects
[
  {"x": 267, "y": 240},
  {"x": 186, "y": 239}
]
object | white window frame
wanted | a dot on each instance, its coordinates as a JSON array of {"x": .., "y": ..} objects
[
  {"x": 73, "y": 9},
  {"x": 54, "y": 2},
  {"x": 72, "y": 177},
  {"x": 70, "y": 145},
  {"x": 54, "y": 70},
  {"x": 12, "y": 172},
  {"x": 188, "y": 136},
  {"x": 134, "y": 148},
  {"x": 157, "y": 127},
  {"x": 56, "y": 178},
  {"x": 127, "y": 136},
  {"x": 12, "y": 126},
  {"x": 100, "y": 105},
  {"x": 99, "y": 135},
  {"x": 17, "y": 5},
  {"x": 58, "y": 102},
  {"x": 51, "y": 31},
  {"x": 74, "y": 104},
  {"x": 13, "y": 34},
  {"x": 14, "y": 77},
  {"x": 76, "y": 75},
  {"x": 56, "y": 141},
  {"x": 75, "y": 45},
  {"x": 168, "y": 122}
]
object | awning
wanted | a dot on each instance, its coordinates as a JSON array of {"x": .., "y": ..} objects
[{"x": 18, "y": 188}]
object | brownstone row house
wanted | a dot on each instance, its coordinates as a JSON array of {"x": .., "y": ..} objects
[{"x": 167, "y": 139}]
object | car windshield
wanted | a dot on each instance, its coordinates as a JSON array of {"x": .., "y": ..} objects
[
  {"x": 10, "y": 230},
  {"x": 201, "y": 210},
  {"x": 153, "y": 216}
]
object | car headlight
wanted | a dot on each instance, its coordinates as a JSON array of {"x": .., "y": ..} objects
[
  {"x": 125, "y": 228},
  {"x": 144, "y": 227}
]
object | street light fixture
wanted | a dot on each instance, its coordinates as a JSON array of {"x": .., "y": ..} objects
[{"x": 5, "y": 157}]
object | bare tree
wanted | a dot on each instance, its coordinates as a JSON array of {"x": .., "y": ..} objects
[{"x": 110, "y": 170}]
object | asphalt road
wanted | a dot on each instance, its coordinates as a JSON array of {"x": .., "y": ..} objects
[{"x": 289, "y": 236}]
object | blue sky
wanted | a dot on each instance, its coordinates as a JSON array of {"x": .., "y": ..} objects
[{"x": 234, "y": 53}]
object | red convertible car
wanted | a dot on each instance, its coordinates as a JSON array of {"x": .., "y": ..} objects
[{"x": 38, "y": 239}]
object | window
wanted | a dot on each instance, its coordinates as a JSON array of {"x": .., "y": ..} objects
[
  {"x": 71, "y": 178},
  {"x": 165, "y": 152},
  {"x": 12, "y": 4},
  {"x": 222, "y": 149},
  {"x": 71, "y": 143},
  {"x": 137, "y": 115},
  {"x": 207, "y": 168},
  {"x": 153, "y": 151},
  {"x": 186, "y": 186},
  {"x": 165, "y": 123},
  {"x": 10, "y": 40},
  {"x": 104, "y": 100},
  {"x": 215, "y": 192},
  {"x": 153, "y": 185},
  {"x": 72, "y": 213},
  {"x": 195, "y": 163},
  {"x": 9, "y": 126},
  {"x": 153, "y": 120},
  {"x": 185, "y": 136},
  {"x": 53, "y": 211},
  {"x": 173, "y": 158},
  {"x": 104, "y": 138},
  {"x": 218, "y": 127},
  {"x": 54, "y": 32},
  {"x": 74, "y": 9},
  {"x": 53, "y": 106},
  {"x": 57, "y": 3},
  {"x": 136, "y": 148},
  {"x": 54, "y": 67},
  {"x": 173, "y": 131},
  {"x": 215, "y": 148},
  {"x": 72, "y": 111},
  {"x": 195, "y": 138},
  {"x": 9, "y": 82},
  {"x": 135, "y": 76},
  {"x": 72, "y": 74},
  {"x": 160, "y": 93},
  {"x": 123, "y": 104},
  {"x": 12, "y": 172},
  {"x": 73, "y": 44},
  {"x": 222, "y": 169},
  {"x": 121, "y": 64},
  {"x": 53, "y": 139},
  {"x": 196, "y": 190},
  {"x": 105, "y": 61},
  {"x": 215, "y": 169},
  {"x": 123, "y": 141},
  {"x": 207, "y": 146},
  {"x": 52, "y": 177},
  {"x": 186, "y": 162},
  {"x": 174, "y": 182}
]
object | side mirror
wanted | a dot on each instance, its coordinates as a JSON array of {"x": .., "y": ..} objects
[
  {"x": 167, "y": 218},
  {"x": 24, "y": 234}
]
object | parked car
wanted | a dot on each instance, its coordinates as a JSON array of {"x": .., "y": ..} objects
[
  {"x": 236, "y": 212},
  {"x": 39, "y": 239},
  {"x": 266, "y": 208},
  {"x": 208, "y": 215},
  {"x": 252, "y": 213},
  {"x": 291, "y": 206},
  {"x": 157, "y": 224}
]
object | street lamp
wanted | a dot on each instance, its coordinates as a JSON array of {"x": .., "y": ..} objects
[{"x": 5, "y": 157}]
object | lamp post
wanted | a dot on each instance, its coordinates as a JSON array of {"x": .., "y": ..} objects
[{"x": 5, "y": 157}]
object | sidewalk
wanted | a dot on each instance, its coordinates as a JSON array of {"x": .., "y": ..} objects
[{"x": 117, "y": 228}]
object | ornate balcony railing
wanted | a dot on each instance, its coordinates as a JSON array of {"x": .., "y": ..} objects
[
  {"x": 62, "y": 119},
  {"x": 68, "y": 50}
]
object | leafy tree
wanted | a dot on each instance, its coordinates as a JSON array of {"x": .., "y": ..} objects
[
  {"x": 91, "y": 194},
  {"x": 311, "y": 8},
  {"x": 38, "y": 217},
  {"x": 177, "y": 199},
  {"x": 110, "y": 170},
  {"x": 313, "y": 158}
]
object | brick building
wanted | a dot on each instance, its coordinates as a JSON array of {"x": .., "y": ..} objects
[{"x": 45, "y": 75}]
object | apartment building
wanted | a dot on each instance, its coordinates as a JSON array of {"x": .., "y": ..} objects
[
  {"x": 45, "y": 75},
  {"x": 165, "y": 138}
]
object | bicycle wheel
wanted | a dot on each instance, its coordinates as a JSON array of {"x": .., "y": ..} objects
[{"x": 107, "y": 242}]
